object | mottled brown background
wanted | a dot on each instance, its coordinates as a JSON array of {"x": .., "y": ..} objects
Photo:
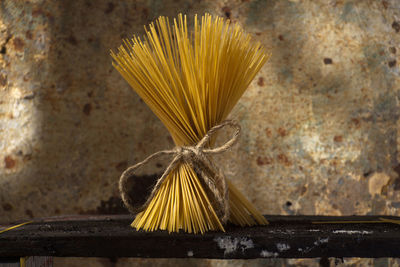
[{"x": 320, "y": 121}]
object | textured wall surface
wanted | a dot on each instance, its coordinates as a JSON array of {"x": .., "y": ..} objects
[{"x": 320, "y": 121}]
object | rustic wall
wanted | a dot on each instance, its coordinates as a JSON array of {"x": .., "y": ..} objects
[{"x": 320, "y": 121}]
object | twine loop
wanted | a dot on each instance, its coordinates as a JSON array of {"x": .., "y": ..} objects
[{"x": 211, "y": 177}]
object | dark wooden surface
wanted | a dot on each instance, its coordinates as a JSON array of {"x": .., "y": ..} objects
[{"x": 285, "y": 237}]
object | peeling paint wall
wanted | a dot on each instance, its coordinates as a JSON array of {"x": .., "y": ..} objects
[{"x": 320, "y": 121}]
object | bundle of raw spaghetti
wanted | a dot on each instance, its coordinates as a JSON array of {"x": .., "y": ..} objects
[{"x": 191, "y": 79}]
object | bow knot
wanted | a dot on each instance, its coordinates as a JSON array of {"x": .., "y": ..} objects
[
  {"x": 196, "y": 157},
  {"x": 186, "y": 153}
]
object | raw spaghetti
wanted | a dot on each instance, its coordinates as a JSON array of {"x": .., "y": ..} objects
[{"x": 191, "y": 79}]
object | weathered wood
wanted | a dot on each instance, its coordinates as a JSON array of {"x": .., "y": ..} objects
[
  {"x": 34, "y": 261},
  {"x": 285, "y": 237},
  {"x": 9, "y": 262}
]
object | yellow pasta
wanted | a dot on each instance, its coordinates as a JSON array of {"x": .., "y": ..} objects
[{"x": 191, "y": 79}]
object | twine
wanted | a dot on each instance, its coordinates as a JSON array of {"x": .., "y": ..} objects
[{"x": 213, "y": 180}]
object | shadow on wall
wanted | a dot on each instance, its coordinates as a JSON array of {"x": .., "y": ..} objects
[
  {"x": 327, "y": 64},
  {"x": 89, "y": 124}
]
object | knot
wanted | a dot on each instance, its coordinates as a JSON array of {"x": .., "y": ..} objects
[
  {"x": 196, "y": 157},
  {"x": 187, "y": 152}
]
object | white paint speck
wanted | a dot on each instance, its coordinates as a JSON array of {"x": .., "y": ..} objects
[
  {"x": 352, "y": 232},
  {"x": 227, "y": 244},
  {"x": 321, "y": 241},
  {"x": 286, "y": 232},
  {"x": 282, "y": 247},
  {"x": 324, "y": 240},
  {"x": 267, "y": 254},
  {"x": 230, "y": 245},
  {"x": 246, "y": 244},
  {"x": 190, "y": 253}
]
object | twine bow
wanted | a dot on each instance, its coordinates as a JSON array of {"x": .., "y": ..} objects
[{"x": 213, "y": 180}]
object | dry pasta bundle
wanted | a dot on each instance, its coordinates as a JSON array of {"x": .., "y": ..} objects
[{"x": 191, "y": 79}]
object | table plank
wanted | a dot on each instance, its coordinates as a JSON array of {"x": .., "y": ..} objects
[{"x": 284, "y": 237}]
